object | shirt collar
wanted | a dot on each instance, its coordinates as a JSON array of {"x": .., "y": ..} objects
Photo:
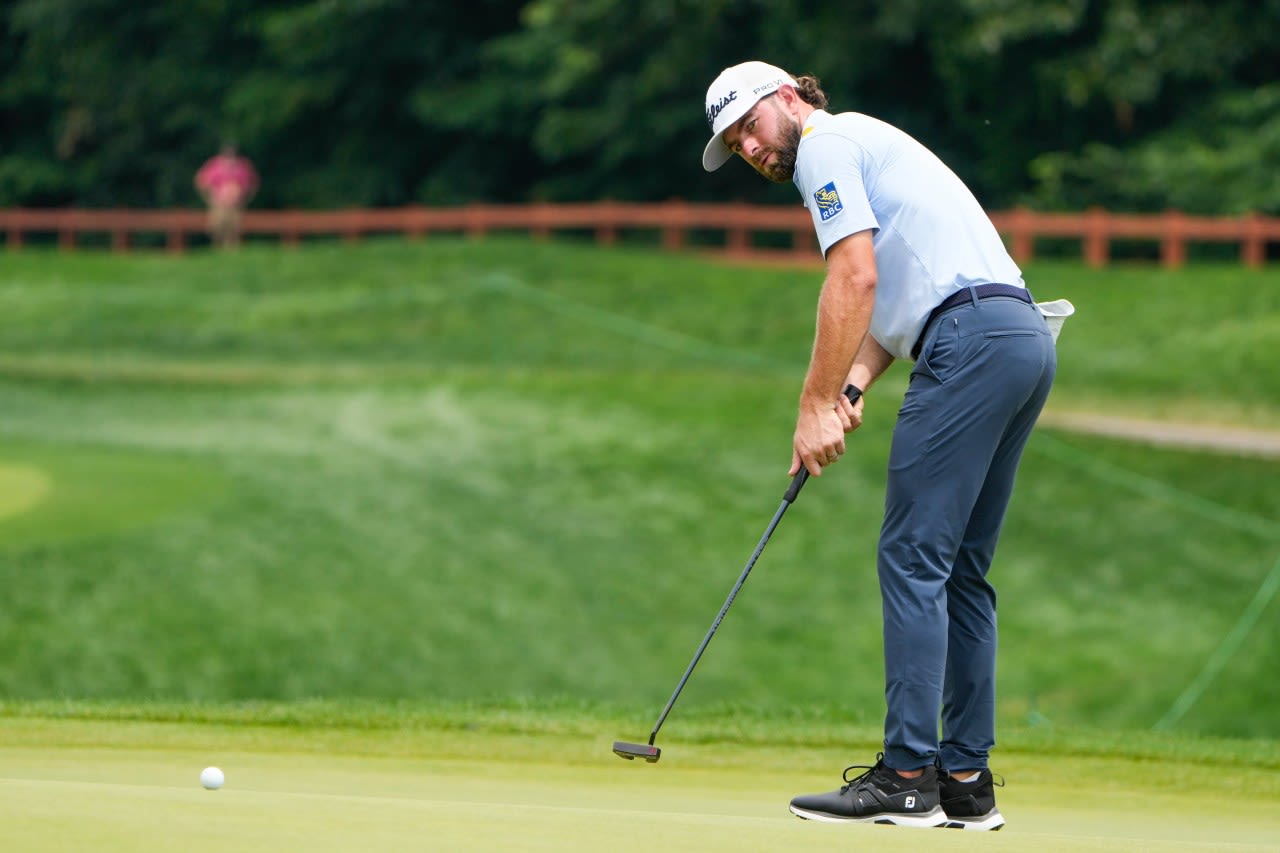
[{"x": 814, "y": 121}]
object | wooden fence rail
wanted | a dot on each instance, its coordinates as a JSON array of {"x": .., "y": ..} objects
[{"x": 732, "y": 226}]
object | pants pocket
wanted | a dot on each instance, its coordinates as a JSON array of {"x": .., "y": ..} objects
[{"x": 945, "y": 352}]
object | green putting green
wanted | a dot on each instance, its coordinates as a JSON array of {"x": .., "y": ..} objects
[
  {"x": 21, "y": 488},
  {"x": 58, "y": 492},
  {"x": 134, "y": 786}
]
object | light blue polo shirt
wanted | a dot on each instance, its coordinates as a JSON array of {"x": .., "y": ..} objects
[{"x": 931, "y": 237}]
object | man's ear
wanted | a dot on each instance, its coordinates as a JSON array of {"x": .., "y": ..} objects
[{"x": 790, "y": 98}]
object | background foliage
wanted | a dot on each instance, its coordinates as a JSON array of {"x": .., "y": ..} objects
[{"x": 1134, "y": 104}]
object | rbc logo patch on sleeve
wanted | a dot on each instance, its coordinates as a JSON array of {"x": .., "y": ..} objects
[{"x": 828, "y": 201}]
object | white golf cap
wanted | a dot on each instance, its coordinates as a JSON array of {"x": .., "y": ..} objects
[{"x": 732, "y": 96}]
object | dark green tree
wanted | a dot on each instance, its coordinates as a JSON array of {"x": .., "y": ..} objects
[
  {"x": 1191, "y": 92},
  {"x": 1133, "y": 104},
  {"x": 349, "y": 103},
  {"x": 108, "y": 104},
  {"x": 117, "y": 103}
]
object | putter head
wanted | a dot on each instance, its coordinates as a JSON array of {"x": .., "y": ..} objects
[{"x": 632, "y": 751}]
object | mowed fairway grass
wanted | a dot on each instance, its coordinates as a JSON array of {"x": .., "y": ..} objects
[{"x": 403, "y": 535}]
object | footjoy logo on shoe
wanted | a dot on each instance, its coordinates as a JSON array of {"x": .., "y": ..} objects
[{"x": 910, "y": 803}]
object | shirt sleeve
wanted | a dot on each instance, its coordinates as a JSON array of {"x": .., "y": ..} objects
[{"x": 829, "y": 170}]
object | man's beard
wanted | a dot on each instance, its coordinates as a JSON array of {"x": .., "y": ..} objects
[{"x": 784, "y": 161}]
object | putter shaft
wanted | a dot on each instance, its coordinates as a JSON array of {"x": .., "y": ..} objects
[{"x": 631, "y": 751}]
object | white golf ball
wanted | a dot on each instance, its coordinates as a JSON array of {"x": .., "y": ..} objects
[{"x": 212, "y": 778}]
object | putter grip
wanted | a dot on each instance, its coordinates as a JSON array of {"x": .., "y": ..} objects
[{"x": 853, "y": 392}]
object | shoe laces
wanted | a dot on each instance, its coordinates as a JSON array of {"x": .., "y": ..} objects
[{"x": 867, "y": 771}]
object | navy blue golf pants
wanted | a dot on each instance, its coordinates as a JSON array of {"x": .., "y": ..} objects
[{"x": 984, "y": 372}]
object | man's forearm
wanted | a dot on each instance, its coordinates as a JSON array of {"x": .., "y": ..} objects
[
  {"x": 844, "y": 315},
  {"x": 871, "y": 361}
]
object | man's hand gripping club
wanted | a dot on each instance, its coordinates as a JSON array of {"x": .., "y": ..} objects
[{"x": 819, "y": 439}]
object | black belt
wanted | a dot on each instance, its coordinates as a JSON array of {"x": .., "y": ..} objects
[{"x": 960, "y": 297}]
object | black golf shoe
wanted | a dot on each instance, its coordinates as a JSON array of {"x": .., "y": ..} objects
[
  {"x": 879, "y": 795},
  {"x": 970, "y": 805}
]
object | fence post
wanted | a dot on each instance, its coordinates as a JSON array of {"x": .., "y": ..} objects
[
  {"x": 1022, "y": 246},
  {"x": 175, "y": 241},
  {"x": 539, "y": 216},
  {"x": 1253, "y": 248},
  {"x": 414, "y": 224},
  {"x": 803, "y": 241},
  {"x": 1173, "y": 243},
  {"x": 475, "y": 220},
  {"x": 12, "y": 231},
  {"x": 737, "y": 239},
  {"x": 349, "y": 226},
  {"x": 291, "y": 233},
  {"x": 675, "y": 222},
  {"x": 606, "y": 223},
  {"x": 1097, "y": 246}
]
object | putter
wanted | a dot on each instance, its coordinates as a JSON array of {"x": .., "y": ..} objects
[{"x": 648, "y": 751}]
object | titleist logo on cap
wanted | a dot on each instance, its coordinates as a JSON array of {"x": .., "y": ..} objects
[{"x": 714, "y": 109}]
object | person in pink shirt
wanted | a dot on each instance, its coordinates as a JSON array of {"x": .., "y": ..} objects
[{"x": 227, "y": 182}]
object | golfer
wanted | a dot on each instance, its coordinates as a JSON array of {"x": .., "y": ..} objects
[{"x": 914, "y": 270}]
